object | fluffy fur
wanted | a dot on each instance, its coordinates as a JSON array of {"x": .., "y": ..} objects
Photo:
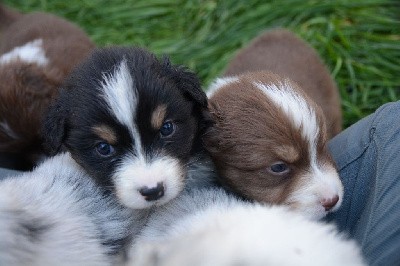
[
  {"x": 57, "y": 215},
  {"x": 215, "y": 228},
  {"x": 269, "y": 139},
  {"x": 37, "y": 51},
  {"x": 132, "y": 121}
]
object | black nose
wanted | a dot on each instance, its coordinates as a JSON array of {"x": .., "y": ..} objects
[{"x": 153, "y": 193}]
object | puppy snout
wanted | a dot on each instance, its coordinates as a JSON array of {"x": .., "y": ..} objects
[
  {"x": 329, "y": 203},
  {"x": 152, "y": 193}
]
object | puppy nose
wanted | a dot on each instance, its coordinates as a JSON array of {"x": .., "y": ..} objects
[
  {"x": 153, "y": 193},
  {"x": 329, "y": 203}
]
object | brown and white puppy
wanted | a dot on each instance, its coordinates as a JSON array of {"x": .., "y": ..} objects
[
  {"x": 269, "y": 138},
  {"x": 37, "y": 51}
]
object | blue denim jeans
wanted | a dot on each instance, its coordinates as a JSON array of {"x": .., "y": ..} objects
[{"x": 367, "y": 155}]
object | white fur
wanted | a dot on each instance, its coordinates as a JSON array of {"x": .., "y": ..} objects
[
  {"x": 135, "y": 173},
  {"x": 219, "y": 83},
  {"x": 31, "y": 53},
  {"x": 210, "y": 227},
  {"x": 121, "y": 96},
  {"x": 56, "y": 215},
  {"x": 294, "y": 106},
  {"x": 317, "y": 185}
]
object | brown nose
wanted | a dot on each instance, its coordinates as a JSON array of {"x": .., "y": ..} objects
[
  {"x": 329, "y": 203},
  {"x": 153, "y": 193}
]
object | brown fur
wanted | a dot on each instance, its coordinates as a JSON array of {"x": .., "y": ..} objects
[
  {"x": 283, "y": 53},
  {"x": 251, "y": 133},
  {"x": 158, "y": 116},
  {"x": 26, "y": 89},
  {"x": 7, "y": 17},
  {"x": 105, "y": 133}
]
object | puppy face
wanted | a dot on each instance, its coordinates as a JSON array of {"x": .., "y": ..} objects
[
  {"x": 269, "y": 144},
  {"x": 131, "y": 121}
]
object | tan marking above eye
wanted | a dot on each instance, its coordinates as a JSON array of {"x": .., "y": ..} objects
[
  {"x": 158, "y": 116},
  {"x": 287, "y": 153},
  {"x": 106, "y": 133}
]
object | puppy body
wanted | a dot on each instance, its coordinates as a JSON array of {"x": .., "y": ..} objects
[
  {"x": 37, "y": 51},
  {"x": 57, "y": 215},
  {"x": 269, "y": 138},
  {"x": 132, "y": 121},
  {"x": 215, "y": 228}
]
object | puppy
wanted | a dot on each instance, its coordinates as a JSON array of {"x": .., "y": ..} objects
[
  {"x": 132, "y": 122},
  {"x": 37, "y": 51},
  {"x": 269, "y": 139},
  {"x": 57, "y": 215},
  {"x": 215, "y": 228}
]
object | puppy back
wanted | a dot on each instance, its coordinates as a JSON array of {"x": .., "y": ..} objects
[{"x": 7, "y": 16}]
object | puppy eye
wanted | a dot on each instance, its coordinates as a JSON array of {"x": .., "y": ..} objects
[
  {"x": 104, "y": 149},
  {"x": 279, "y": 168},
  {"x": 167, "y": 129}
]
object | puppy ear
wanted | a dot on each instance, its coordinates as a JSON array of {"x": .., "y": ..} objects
[
  {"x": 211, "y": 136},
  {"x": 187, "y": 81},
  {"x": 54, "y": 124}
]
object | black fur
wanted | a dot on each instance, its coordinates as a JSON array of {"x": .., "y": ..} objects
[{"x": 80, "y": 106}]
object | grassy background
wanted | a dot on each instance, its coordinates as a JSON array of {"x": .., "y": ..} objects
[{"x": 358, "y": 39}]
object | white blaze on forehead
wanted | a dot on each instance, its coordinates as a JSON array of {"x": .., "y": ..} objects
[
  {"x": 31, "y": 52},
  {"x": 298, "y": 110},
  {"x": 219, "y": 83},
  {"x": 294, "y": 106},
  {"x": 120, "y": 93}
]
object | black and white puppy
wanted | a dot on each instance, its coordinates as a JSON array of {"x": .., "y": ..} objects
[{"x": 131, "y": 121}]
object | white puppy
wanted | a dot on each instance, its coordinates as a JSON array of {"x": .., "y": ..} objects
[{"x": 210, "y": 227}]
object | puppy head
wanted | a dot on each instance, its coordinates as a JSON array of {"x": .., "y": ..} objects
[
  {"x": 131, "y": 121},
  {"x": 269, "y": 144}
]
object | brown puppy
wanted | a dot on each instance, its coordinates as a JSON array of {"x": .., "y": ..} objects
[
  {"x": 37, "y": 51},
  {"x": 269, "y": 138}
]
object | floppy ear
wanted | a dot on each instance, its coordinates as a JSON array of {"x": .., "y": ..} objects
[
  {"x": 211, "y": 135},
  {"x": 187, "y": 81},
  {"x": 54, "y": 124}
]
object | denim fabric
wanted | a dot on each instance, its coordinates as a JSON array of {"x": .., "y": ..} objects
[{"x": 368, "y": 159}]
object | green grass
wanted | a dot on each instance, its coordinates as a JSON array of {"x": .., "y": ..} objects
[{"x": 358, "y": 39}]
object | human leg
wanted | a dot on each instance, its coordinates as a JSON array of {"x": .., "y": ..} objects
[{"x": 368, "y": 159}]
